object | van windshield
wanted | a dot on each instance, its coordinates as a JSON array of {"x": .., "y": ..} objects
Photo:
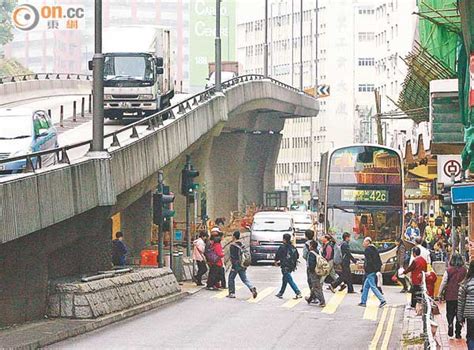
[{"x": 272, "y": 224}]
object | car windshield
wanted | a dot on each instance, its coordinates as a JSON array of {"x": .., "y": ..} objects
[
  {"x": 272, "y": 224},
  {"x": 15, "y": 127},
  {"x": 382, "y": 225}
]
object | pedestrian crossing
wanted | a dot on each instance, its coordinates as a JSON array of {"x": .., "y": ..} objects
[{"x": 333, "y": 301}]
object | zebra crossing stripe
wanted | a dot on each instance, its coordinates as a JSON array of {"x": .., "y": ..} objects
[
  {"x": 261, "y": 295},
  {"x": 334, "y": 303},
  {"x": 372, "y": 308},
  {"x": 293, "y": 302}
]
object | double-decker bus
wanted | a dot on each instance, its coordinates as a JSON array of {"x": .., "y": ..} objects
[{"x": 361, "y": 192}]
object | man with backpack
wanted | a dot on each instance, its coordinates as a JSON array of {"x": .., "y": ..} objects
[
  {"x": 315, "y": 270},
  {"x": 287, "y": 257},
  {"x": 240, "y": 260},
  {"x": 328, "y": 253},
  {"x": 372, "y": 265},
  {"x": 343, "y": 257}
]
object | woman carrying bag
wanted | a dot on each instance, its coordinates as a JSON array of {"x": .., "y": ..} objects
[{"x": 466, "y": 305}]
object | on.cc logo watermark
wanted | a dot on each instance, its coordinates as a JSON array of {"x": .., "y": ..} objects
[{"x": 25, "y": 17}]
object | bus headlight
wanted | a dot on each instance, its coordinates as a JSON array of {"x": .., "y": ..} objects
[{"x": 392, "y": 260}]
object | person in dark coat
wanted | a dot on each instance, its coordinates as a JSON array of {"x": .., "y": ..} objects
[
  {"x": 372, "y": 265},
  {"x": 235, "y": 251},
  {"x": 346, "y": 275},
  {"x": 313, "y": 279},
  {"x": 449, "y": 291},
  {"x": 287, "y": 258},
  {"x": 119, "y": 250}
]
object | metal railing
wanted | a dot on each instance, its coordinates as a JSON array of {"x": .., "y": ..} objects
[
  {"x": 427, "y": 301},
  {"x": 153, "y": 122},
  {"x": 44, "y": 76}
]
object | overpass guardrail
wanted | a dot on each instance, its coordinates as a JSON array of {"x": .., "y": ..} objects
[
  {"x": 44, "y": 76},
  {"x": 153, "y": 122}
]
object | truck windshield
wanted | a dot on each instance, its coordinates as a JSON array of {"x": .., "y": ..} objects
[{"x": 133, "y": 70}]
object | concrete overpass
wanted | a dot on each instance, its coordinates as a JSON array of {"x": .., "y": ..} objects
[{"x": 56, "y": 221}]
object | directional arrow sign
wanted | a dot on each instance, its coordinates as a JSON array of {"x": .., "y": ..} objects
[{"x": 324, "y": 90}]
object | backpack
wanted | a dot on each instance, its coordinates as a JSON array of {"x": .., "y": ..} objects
[
  {"x": 210, "y": 254},
  {"x": 337, "y": 254},
  {"x": 291, "y": 258},
  {"x": 245, "y": 259},
  {"x": 322, "y": 265}
]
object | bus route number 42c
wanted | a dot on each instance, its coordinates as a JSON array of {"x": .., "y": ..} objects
[{"x": 353, "y": 195}]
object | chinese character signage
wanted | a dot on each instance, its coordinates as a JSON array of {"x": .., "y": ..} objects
[{"x": 28, "y": 17}]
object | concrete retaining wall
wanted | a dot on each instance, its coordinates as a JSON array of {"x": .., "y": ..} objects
[
  {"x": 26, "y": 90},
  {"x": 102, "y": 297}
]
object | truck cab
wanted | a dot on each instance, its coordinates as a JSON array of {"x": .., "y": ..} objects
[{"x": 137, "y": 79}]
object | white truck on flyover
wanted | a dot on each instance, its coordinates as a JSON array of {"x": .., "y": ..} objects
[{"x": 138, "y": 74}]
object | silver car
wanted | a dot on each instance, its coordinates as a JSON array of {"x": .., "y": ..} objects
[
  {"x": 303, "y": 221},
  {"x": 266, "y": 234},
  {"x": 24, "y": 131}
]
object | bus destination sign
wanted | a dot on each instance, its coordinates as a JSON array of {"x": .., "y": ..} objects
[{"x": 354, "y": 195}]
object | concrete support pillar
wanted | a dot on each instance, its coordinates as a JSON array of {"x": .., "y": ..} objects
[
  {"x": 273, "y": 149},
  {"x": 136, "y": 222},
  {"x": 226, "y": 163}
]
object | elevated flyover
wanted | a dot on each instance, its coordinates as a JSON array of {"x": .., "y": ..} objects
[{"x": 56, "y": 221}]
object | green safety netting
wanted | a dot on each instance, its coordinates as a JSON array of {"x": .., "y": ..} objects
[{"x": 433, "y": 57}]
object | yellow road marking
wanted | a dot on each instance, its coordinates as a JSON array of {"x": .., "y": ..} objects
[
  {"x": 293, "y": 302},
  {"x": 372, "y": 308},
  {"x": 388, "y": 331},
  {"x": 261, "y": 295},
  {"x": 222, "y": 294},
  {"x": 378, "y": 332},
  {"x": 335, "y": 301}
]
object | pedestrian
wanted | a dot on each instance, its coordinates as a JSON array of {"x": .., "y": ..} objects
[
  {"x": 346, "y": 276},
  {"x": 417, "y": 267},
  {"x": 199, "y": 248},
  {"x": 327, "y": 252},
  {"x": 372, "y": 265},
  {"x": 119, "y": 250},
  {"x": 236, "y": 250},
  {"x": 287, "y": 257},
  {"x": 314, "y": 280},
  {"x": 412, "y": 232},
  {"x": 309, "y": 234},
  {"x": 449, "y": 291},
  {"x": 214, "y": 256},
  {"x": 429, "y": 233},
  {"x": 424, "y": 253},
  {"x": 466, "y": 305}
]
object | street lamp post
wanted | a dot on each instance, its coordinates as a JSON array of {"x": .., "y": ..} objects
[
  {"x": 301, "y": 45},
  {"x": 218, "y": 46},
  {"x": 265, "y": 46},
  {"x": 98, "y": 83}
]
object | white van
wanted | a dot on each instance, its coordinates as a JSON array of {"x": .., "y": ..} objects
[{"x": 266, "y": 234}]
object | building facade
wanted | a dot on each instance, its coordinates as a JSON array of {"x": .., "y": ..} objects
[{"x": 345, "y": 62}]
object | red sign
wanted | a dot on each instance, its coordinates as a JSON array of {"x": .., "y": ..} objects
[{"x": 471, "y": 71}]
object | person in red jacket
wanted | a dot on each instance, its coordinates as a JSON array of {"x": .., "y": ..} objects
[
  {"x": 417, "y": 267},
  {"x": 219, "y": 282}
]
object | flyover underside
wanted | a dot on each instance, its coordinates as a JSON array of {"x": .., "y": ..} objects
[{"x": 68, "y": 229}]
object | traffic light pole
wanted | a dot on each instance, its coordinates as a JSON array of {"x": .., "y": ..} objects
[
  {"x": 188, "y": 226},
  {"x": 160, "y": 229}
]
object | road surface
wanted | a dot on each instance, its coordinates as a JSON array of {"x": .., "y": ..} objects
[{"x": 209, "y": 320}]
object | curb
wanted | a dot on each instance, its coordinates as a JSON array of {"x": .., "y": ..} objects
[{"x": 86, "y": 326}]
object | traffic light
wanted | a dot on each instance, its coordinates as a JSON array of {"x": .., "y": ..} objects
[
  {"x": 187, "y": 181},
  {"x": 162, "y": 211}
]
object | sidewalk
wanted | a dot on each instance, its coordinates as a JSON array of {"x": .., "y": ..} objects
[
  {"x": 413, "y": 329},
  {"x": 41, "y": 333}
]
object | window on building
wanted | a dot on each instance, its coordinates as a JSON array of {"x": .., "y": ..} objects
[
  {"x": 366, "y": 36},
  {"x": 367, "y": 61},
  {"x": 366, "y": 87}
]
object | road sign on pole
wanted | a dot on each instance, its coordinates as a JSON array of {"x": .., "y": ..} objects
[{"x": 462, "y": 193}]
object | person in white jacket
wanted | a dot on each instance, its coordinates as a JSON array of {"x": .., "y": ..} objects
[{"x": 199, "y": 247}]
